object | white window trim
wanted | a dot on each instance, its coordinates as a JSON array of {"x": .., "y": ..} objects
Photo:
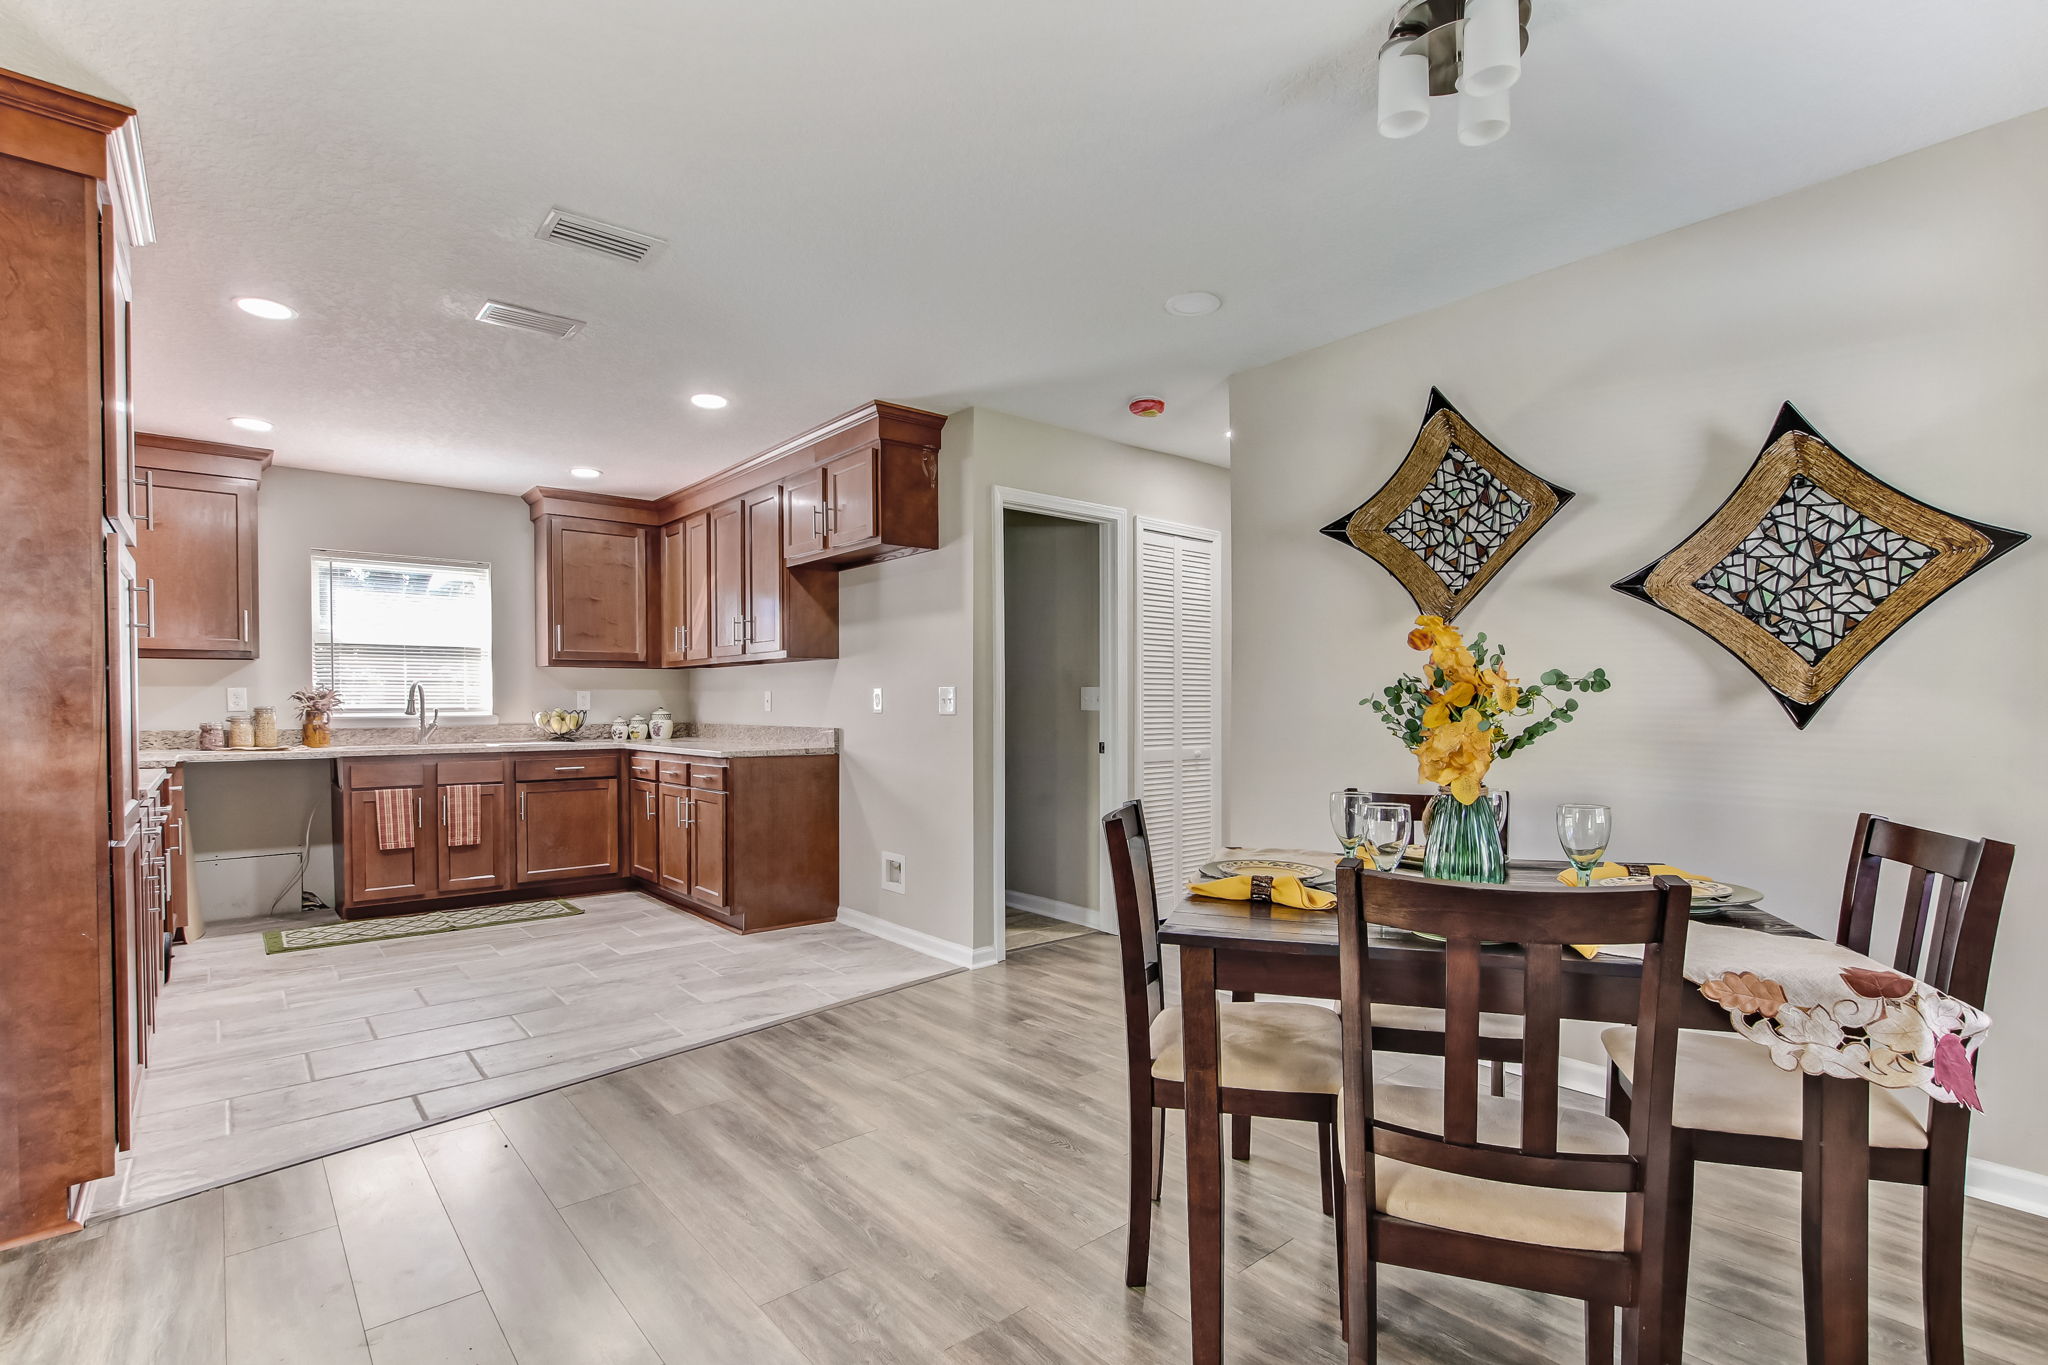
[{"x": 379, "y": 720}]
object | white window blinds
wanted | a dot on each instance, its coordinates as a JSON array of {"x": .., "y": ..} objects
[
  {"x": 1180, "y": 666},
  {"x": 382, "y": 623}
]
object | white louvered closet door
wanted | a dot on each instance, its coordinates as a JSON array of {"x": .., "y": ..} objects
[{"x": 1180, "y": 684}]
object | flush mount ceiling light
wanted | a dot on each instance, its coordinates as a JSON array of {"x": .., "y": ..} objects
[
  {"x": 1200, "y": 303},
  {"x": 249, "y": 423},
  {"x": 266, "y": 308},
  {"x": 707, "y": 400},
  {"x": 584, "y": 471},
  {"x": 1470, "y": 48}
]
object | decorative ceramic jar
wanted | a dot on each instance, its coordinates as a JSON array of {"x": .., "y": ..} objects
[
  {"x": 1462, "y": 843},
  {"x": 662, "y": 726},
  {"x": 636, "y": 728},
  {"x": 620, "y": 729}
]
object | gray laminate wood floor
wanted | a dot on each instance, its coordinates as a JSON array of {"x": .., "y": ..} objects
[
  {"x": 262, "y": 1061},
  {"x": 930, "y": 1177},
  {"x": 1022, "y": 929}
]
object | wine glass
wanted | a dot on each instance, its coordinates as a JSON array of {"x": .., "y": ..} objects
[
  {"x": 1386, "y": 833},
  {"x": 1584, "y": 832},
  {"x": 1347, "y": 817}
]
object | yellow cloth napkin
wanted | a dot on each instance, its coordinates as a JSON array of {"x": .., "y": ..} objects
[
  {"x": 1286, "y": 891},
  {"x": 1570, "y": 877}
]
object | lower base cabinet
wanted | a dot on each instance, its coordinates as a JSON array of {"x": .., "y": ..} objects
[{"x": 750, "y": 843}]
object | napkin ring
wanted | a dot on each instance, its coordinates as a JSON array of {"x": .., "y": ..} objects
[{"x": 1262, "y": 889}]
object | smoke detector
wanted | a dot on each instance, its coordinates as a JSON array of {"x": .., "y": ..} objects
[
  {"x": 591, "y": 234},
  {"x": 501, "y": 314},
  {"x": 1145, "y": 405}
]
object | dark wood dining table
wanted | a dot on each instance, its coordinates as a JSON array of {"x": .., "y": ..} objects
[{"x": 1267, "y": 949}]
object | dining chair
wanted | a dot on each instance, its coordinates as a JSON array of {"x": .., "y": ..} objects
[
  {"x": 1278, "y": 1059},
  {"x": 1734, "y": 1107},
  {"x": 1419, "y": 1028},
  {"x": 1527, "y": 1192}
]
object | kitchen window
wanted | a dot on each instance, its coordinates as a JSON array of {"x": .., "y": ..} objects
[{"x": 384, "y": 622}]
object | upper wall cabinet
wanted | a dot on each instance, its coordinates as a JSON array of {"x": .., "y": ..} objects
[
  {"x": 194, "y": 510},
  {"x": 740, "y": 567}
]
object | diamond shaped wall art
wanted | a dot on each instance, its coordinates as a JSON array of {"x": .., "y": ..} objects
[
  {"x": 1452, "y": 515},
  {"x": 1810, "y": 564}
]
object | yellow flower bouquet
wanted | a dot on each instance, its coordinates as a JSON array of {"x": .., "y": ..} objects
[{"x": 1458, "y": 715}]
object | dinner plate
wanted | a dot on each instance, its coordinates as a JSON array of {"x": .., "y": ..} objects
[
  {"x": 1265, "y": 867},
  {"x": 1707, "y": 896}
]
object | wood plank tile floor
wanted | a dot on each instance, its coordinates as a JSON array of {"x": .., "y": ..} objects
[
  {"x": 260, "y": 1062},
  {"x": 929, "y": 1177},
  {"x": 1022, "y": 929}
]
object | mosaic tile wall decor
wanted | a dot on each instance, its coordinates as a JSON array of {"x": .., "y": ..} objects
[
  {"x": 1811, "y": 563},
  {"x": 1454, "y": 512}
]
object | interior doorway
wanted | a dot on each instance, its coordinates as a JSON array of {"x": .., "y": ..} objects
[{"x": 1059, "y": 736}]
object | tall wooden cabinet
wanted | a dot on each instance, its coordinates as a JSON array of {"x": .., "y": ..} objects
[
  {"x": 194, "y": 507},
  {"x": 69, "y": 212}
]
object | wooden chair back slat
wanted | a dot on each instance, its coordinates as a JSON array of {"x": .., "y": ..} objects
[
  {"x": 1540, "y": 922},
  {"x": 1137, "y": 923},
  {"x": 1955, "y": 892}
]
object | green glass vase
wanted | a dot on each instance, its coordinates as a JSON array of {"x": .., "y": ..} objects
[{"x": 1462, "y": 843}]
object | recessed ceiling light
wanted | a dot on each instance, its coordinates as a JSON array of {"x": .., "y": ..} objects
[
  {"x": 1198, "y": 304},
  {"x": 708, "y": 400},
  {"x": 1228, "y": 433},
  {"x": 266, "y": 308},
  {"x": 249, "y": 423},
  {"x": 584, "y": 471}
]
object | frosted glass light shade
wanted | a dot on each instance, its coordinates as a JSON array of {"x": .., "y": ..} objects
[
  {"x": 1482, "y": 118},
  {"x": 1404, "y": 92},
  {"x": 1491, "y": 58}
]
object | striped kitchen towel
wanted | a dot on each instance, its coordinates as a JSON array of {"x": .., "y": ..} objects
[
  {"x": 462, "y": 816},
  {"x": 397, "y": 814}
]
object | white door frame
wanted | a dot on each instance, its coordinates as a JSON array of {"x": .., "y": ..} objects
[{"x": 1113, "y": 653}]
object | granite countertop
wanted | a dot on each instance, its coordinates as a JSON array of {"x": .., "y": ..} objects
[{"x": 704, "y": 741}]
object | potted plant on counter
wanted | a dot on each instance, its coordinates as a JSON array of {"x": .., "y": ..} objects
[{"x": 316, "y": 708}]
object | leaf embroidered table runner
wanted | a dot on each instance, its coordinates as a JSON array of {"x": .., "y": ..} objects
[{"x": 1827, "y": 1010}]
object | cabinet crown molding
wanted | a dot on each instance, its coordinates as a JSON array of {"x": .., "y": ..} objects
[{"x": 153, "y": 451}]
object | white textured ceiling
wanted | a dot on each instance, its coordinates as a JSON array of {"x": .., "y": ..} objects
[{"x": 941, "y": 202}]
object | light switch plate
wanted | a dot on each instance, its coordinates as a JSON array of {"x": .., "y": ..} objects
[
  {"x": 238, "y": 699},
  {"x": 1091, "y": 699},
  {"x": 878, "y": 699},
  {"x": 946, "y": 701},
  {"x": 582, "y": 701},
  {"x": 767, "y": 700}
]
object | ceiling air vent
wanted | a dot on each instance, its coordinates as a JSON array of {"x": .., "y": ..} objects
[
  {"x": 500, "y": 314},
  {"x": 606, "y": 239}
]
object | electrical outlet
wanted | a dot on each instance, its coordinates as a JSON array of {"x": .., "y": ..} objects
[
  {"x": 582, "y": 701},
  {"x": 238, "y": 699},
  {"x": 892, "y": 872},
  {"x": 767, "y": 700},
  {"x": 946, "y": 707},
  {"x": 1091, "y": 699},
  {"x": 878, "y": 699}
]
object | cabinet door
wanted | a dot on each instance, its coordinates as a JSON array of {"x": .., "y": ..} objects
[
  {"x": 803, "y": 530},
  {"x": 481, "y": 866},
  {"x": 178, "y": 863},
  {"x": 850, "y": 500},
  {"x": 378, "y": 876},
  {"x": 675, "y": 596},
  {"x": 124, "y": 626},
  {"x": 196, "y": 551},
  {"x": 118, "y": 426},
  {"x": 697, "y": 629},
  {"x": 764, "y": 571},
  {"x": 128, "y": 978},
  {"x": 728, "y": 536},
  {"x": 598, "y": 576},
  {"x": 705, "y": 815},
  {"x": 643, "y": 821},
  {"x": 568, "y": 830},
  {"x": 675, "y": 839}
]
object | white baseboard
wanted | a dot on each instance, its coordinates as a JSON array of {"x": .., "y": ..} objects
[
  {"x": 931, "y": 945},
  {"x": 2009, "y": 1186},
  {"x": 1060, "y": 910}
]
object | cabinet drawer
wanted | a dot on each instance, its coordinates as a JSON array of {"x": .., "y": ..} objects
[
  {"x": 359, "y": 774},
  {"x": 675, "y": 770},
  {"x": 708, "y": 776},
  {"x": 646, "y": 767},
  {"x": 453, "y": 772},
  {"x": 567, "y": 766}
]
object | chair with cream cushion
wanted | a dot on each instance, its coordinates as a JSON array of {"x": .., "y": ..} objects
[
  {"x": 1524, "y": 1192},
  {"x": 1735, "y": 1107},
  {"x": 1277, "y": 1060}
]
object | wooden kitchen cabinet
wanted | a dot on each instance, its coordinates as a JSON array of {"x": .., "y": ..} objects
[
  {"x": 566, "y": 830},
  {"x": 596, "y": 588},
  {"x": 485, "y": 865},
  {"x": 706, "y": 828},
  {"x": 803, "y": 498},
  {"x": 194, "y": 507},
  {"x": 672, "y": 865},
  {"x": 762, "y": 628},
  {"x": 671, "y": 639},
  {"x": 727, "y": 526},
  {"x": 643, "y": 831},
  {"x": 377, "y": 876}
]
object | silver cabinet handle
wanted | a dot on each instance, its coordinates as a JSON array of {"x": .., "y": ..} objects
[
  {"x": 145, "y": 623},
  {"x": 679, "y": 812},
  {"x": 178, "y": 847},
  {"x": 571, "y": 768},
  {"x": 150, "y": 584},
  {"x": 137, "y": 622},
  {"x": 692, "y": 802},
  {"x": 444, "y": 808},
  {"x": 522, "y": 805},
  {"x": 675, "y": 639},
  {"x": 419, "y": 812},
  {"x": 684, "y": 647},
  {"x": 147, "y": 482},
  {"x": 650, "y": 804},
  {"x": 818, "y": 518},
  {"x": 831, "y": 517},
  {"x": 558, "y": 637},
  {"x": 737, "y": 622},
  {"x": 245, "y": 620}
]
